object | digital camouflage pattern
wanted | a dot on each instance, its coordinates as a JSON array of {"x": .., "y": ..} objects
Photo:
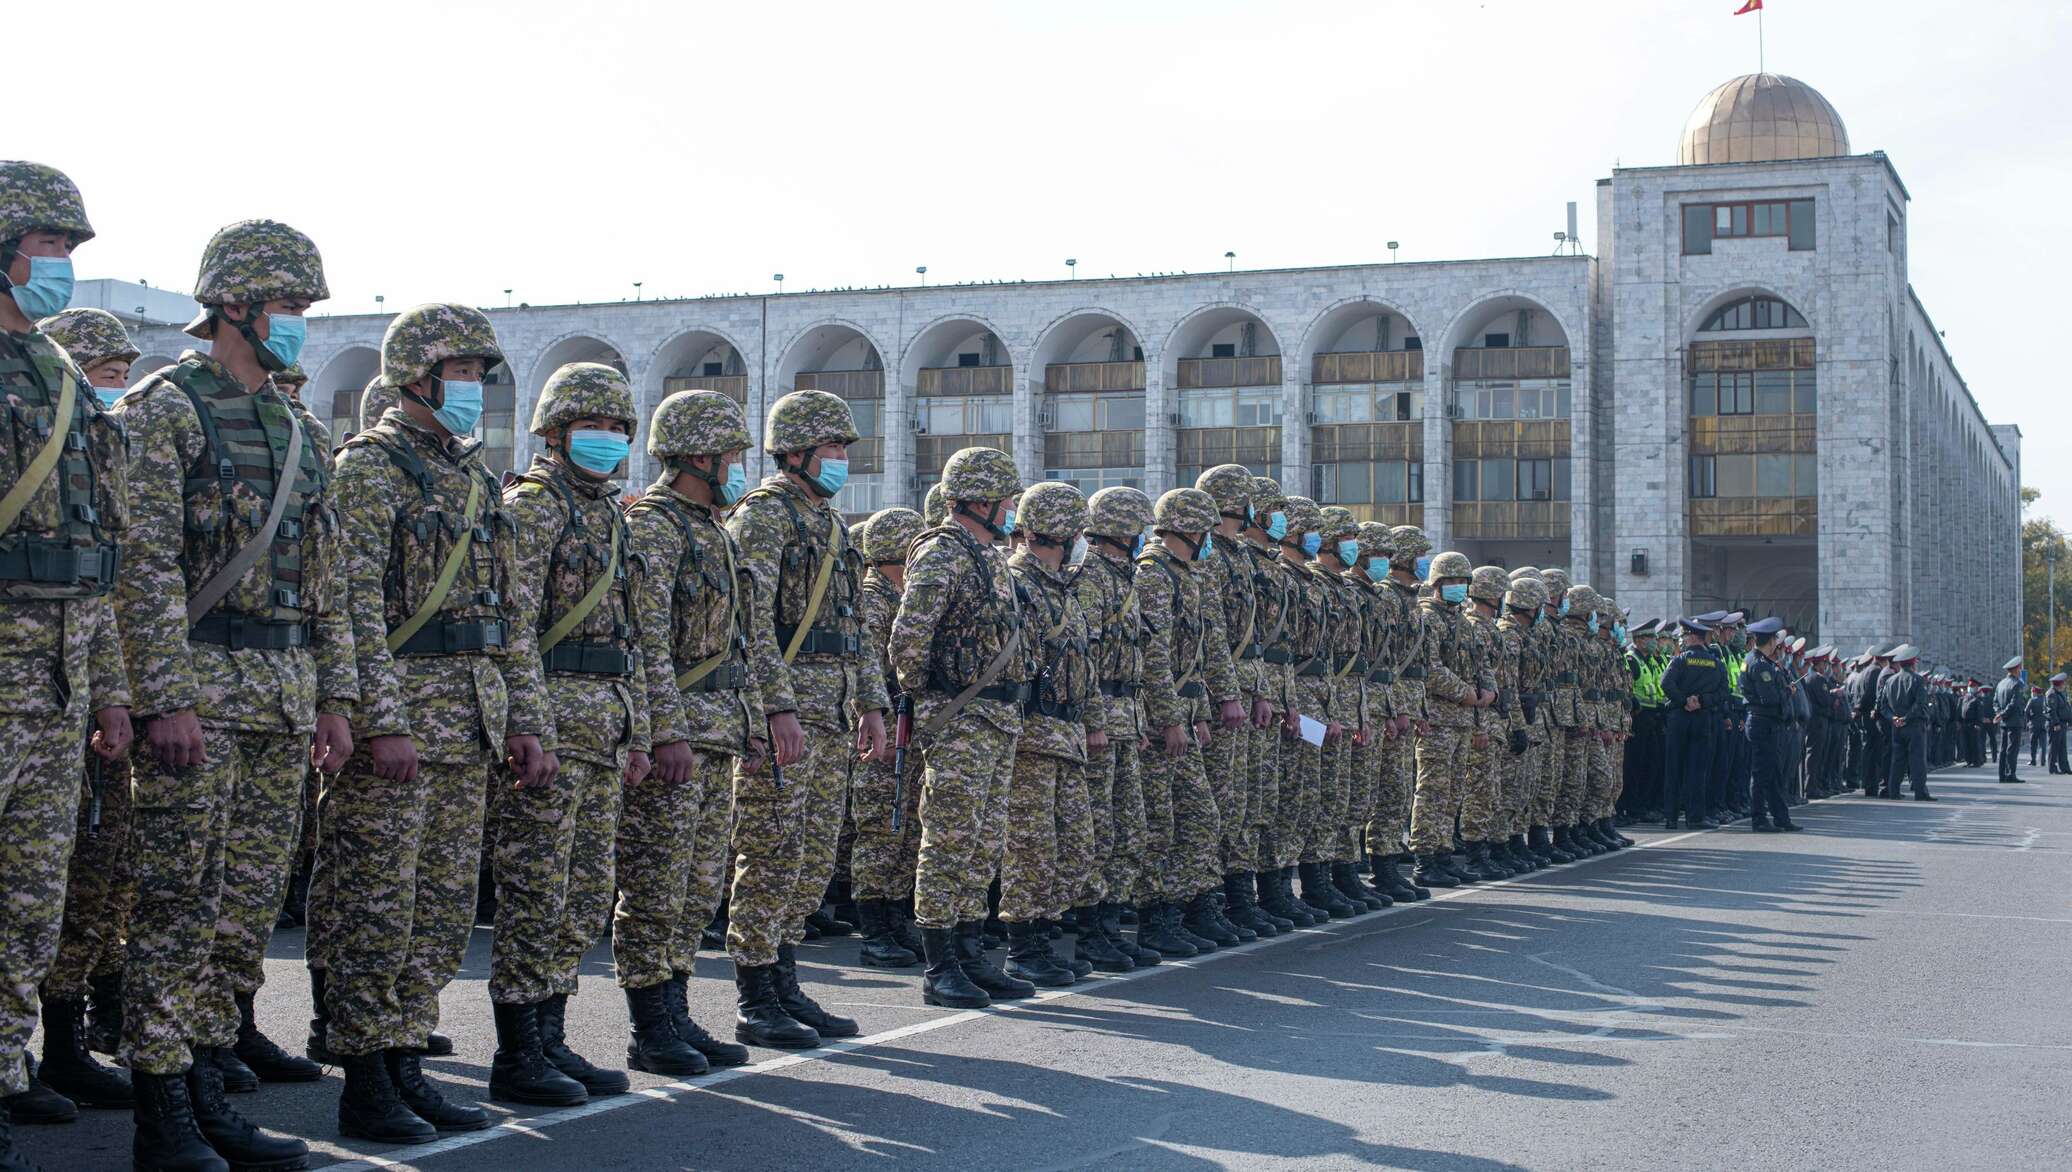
[
  {"x": 1186, "y": 664},
  {"x": 255, "y": 261},
  {"x": 584, "y": 390},
  {"x": 1118, "y": 511},
  {"x": 1230, "y": 486},
  {"x": 696, "y": 423},
  {"x": 92, "y": 336},
  {"x": 1451, "y": 679},
  {"x": 1184, "y": 510},
  {"x": 423, "y": 336},
  {"x": 884, "y": 539},
  {"x": 1107, "y": 599},
  {"x": 883, "y": 857},
  {"x": 934, "y": 509},
  {"x": 1308, "y": 649},
  {"x": 1449, "y": 565},
  {"x": 804, "y": 420},
  {"x": 1051, "y": 747},
  {"x": 375, "y": 402},
  {"x": 1229, "y": 590},
  {"x": 100, "y": 886},
  {"x": 34, "y": 197},
  {"x": 1488, "y": 583},
  {"x": 1410, "y": 542},
  {"x": 1052, "y": 509},
  {"x": 980, "y": 474}
]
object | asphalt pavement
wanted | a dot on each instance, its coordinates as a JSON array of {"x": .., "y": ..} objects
[{"x": 1885, "y": 991}]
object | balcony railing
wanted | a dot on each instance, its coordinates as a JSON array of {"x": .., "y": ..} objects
[
  {"x": 1757, "y": 516},
  {"x": 1358, "y": 442},
  {"x": 733, "y": 386},
  {"x": 1378, "y": 366},
  {"x": 1472, "y": 362},
  {"x": 1093, "y": 376},
  {"x": 931, "y": 452},
  {"x": 1231, "y": 372},
  {"x": 1094, "y": 449},
  {"x": 1528, "y": 520},
  {"x": 1759, "y": 354},
  {"x": 1734, "y": 434},
  {"x": 966, "y": 380},
  {"x": 1510, "y": 437},
  {"x": 849, "y": 384},
  {"x": 1210, "y": 446}
]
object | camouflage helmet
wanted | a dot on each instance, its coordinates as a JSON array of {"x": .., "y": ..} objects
[
  {"x": 1338, "y": 524},
  {"x": 697, "y": 423},
  {"x": 423, "y": 336},
  {"x": 1526, "y": 572},
  {"x": 804, "y": 420},
  {"x": 1267, "y": 499},
  {"x": 91, "y": 336},
  {"x": 1581, "y": 601},
  {"x": 1411, "y": 542},
  {"x": 1449, "y": 565},
  {"x": 292, "y": 379},
  {"x": 1556, "y": 581},
  {"x": 1375, "y": 541},
  {"x": 1303, "y": 516},
  {"x": 253, "y": 261},
  {"x": 934, "y": 509},
  {"x": 581, "y": 390},
  {"x": 884, "y": 537},
  {"x": 980, "y": 474},
  {"x": 1526, "y": 593},
  {"x": 1118, "y": 511},
  {"x": 36, "y": 198},
  {"x": 1184, "y": 510},
  {"x": 1052, "y": 509},
  {"x": 376, "y": 400},
  {"x": 1488, "y": 583},
  {"x": 1230, "y": 486}
]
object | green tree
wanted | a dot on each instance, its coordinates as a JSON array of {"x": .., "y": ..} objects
[{"x": 2042, "y": 543}]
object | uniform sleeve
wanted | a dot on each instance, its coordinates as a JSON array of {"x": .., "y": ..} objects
[
  {"x": 1092, "y": 601},
  {"x": 110, "y": 684},
  {"x": 870, "y": 682},
  {"x": 151, "y": 597},
  {"x": 1156, "y": 602},
  {"x": 762, "y": 534},
  {"x": 1217, "y": 670},
  {"x": 931, "y": 584},
  {"x": 660, "y": 546},
  {"x": 749, "y": 621},
  {"x": 642, "y": 733},
  {"x": 331, "y": 640},
  {"x": 1440, "y": 681},
  {"x": 537, "y": 518},
  {"x": 365, "y": 494}
]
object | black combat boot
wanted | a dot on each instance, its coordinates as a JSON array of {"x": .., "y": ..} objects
[
  {"x": 1484, "y": 858},
  {"x": 11, "y": 1158},
  {"x": 1515, "y": 849},
  {"x": 1093, "y": 945},
  {"x": 758, "y": 1019},
  {"x": 1077, "y": 965},
  {"x": 1176, "y": 923},
  {"x": 167, "y": 1139},
  {"x": 676, "y": 999},
  {"x": 105, "y": 1009},
  {"x": 1257, "y": 891},
  {"x": 231, "y": 1134},
  {"x": 1219, "y": 908},
  {"x": 596, "y": 1080},
  {"x": 971, "y": 957},
  {"x": 655, "y": 1048},
  {"x": 1405, "y": 868},
  {"x": 1388, "y": 881},
  {"x": 1289, "y": 908},
  {"x": 1540, "y": 843},
  {"x": 1347, "y": 881},
  {"x": 1154, "y": 933},
  {"x": 881, "y": 949},
  {"x": 943, "y": 983},
  {"x": 1611, "y": 831},
  {"x": 267, "y": 1061},
  {"x": 803, "y": 1009},
  {"x": 422, "y": 1097},
  {"x": 39, "y": 1105},
  {"x": 1317, "y": 892},
  {"x": 70, "y": 1069},
  {"x": 1111, "y": 928},
  {"x": 238, "y": 1079},
  {"x": 1594, "y": 830},
  {"x": 1202, "y": 920},
  {"x": 318, "y": 1046},
  {"x": 1029, "y": 957},
  {"x": 1239, "y": 909},
  {"x": 823, "y": 922},
  {"x": 1431, "y": 873},
  {"x": 900, "y": 913},
  {"x": 519, "y": 1072},
  {"x": 372, "y": 1109}
]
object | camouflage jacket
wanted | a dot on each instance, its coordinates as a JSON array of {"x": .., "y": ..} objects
[
  {"x": 1347, "y": 637},
  {"x": 1107, "y": 589},
  {"x": 1407, "y": 650},
  {"x": 956, "y": 617},
  {"x": 1309, "y": 645},
  {"x": 177, "y": 542},
  {"x": 1377, "y": 619},
  {"x": 63, "y": 654},
  {"x": 1062, "y": 688},
  {"x": 1278, "y": 592},
  {"x": 1451, "y": 671},
  {"x": 1516, "y": 672},
  {"x": 1230, "y": 593},
  {"x": 1565, "y": 693},
  {"x": 397, "y": 532},
  {"x": 783, "y": 534},
  {"x": 691, "y": 609},
  {"x": 1177, "y": 638},
  {"x": 565, "y": 530},
  {"x": 1576, "y": 676}
]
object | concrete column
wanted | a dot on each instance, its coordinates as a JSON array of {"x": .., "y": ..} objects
[
  {"x": 1295, "y": 434},
  {"x": 1159, "y": 405},
  {"x": 898, "y": 414},
  {"x": 1028, "y": 425},
  {"x": 1438, "y": 452}
]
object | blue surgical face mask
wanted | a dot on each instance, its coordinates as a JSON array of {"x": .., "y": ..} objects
[
  {"x": 1539, "y": 619},
  {"x": 1311, "y": 543},
  {"x": 460, "y": 406},
  {"x": 598, "y": 451},
  {"x": 1349, "y": 552},
  {"x": 1208, "y": 544},
  {"x": 1277, "y": 525},
  {"x": 1593, "y": 622},
  {"x": 832, "y": 476},
  {"x": 1619, "y": 632},
  {"x": 734, "y": 486},
  {"x": 49, "y": 288},
  {"x": 1564, "y": 605},
  {"x": 1422, "y": 567},
  {"x": 1378, "y": 569},
  {"x": 1137, "y": 546},
  {"x": 1007, "y": 521},
  {"x": 285, "y": 333},
  {"x": 108, "y": 396},
  {"x": 1454, "y": 592}
]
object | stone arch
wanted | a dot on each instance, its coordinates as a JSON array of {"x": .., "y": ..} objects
[
  {"x": 1199, "y": 327},
  {"x": 576, "y": 346},
  {"x": 812, "y": 346},
  {"x": 1062, "y": 334},
  {"x": 933, "y": 343},
  {"x": 1801, "y": 300},
  {"x": 1480, "y": 311},
  {"x": 1330, "y": 323},
  {"x": 349, "y": 370}
]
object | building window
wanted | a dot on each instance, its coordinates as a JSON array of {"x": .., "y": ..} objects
[
  {"x": 1092, "y": 480},
  {"x": 1754, "y": 313},
  {"x": 1762, "y": 475},
  {"x": 1759, "y": 392},
  {"x": 1223, "y": 350},
  {"x": 1790, "y": 218},
  {"x": 1363, "y": 482},
  {"x": 499, "y": 414},
  {"x": 1413, "y": 342},
  {"x": 1514, "y": 400},
  {"x": 978, "y": 415},
  {"x": 1123, "y": 412},
  {"x": 1231, "y": 407}
]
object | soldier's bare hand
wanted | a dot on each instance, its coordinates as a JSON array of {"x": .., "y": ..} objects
[
  {"x": 789, "y": 738},
  {"x": 1423, "y": 727},
  {"x": 673, "y": 762},
  {"x": 530, "y": 764},
  {"x": 395, "y": 758},
  {"x": 1143, "y": 742},
  {"x": 1291, "y": 725},
  {"x": 1359, "y": 738},
  {"x": 176, "y": 739},
  {"x": 758, "y": 749},
  {"x": 1096, "y": 740},
  {"x": 871, "y": 742},
  {"x": 1175, "y": 740},
  {"x": 1480, "y": 740},
  {"x": 1262, "y": 713},
  {"x": 1201, "y": 733},
  {"x": 637, "y": 767},
  {"x": 112, "y": 734},
  {"x": 1232, "y": 714},
  {"x": 332, "y": 744}
]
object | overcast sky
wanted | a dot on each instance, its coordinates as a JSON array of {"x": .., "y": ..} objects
[{"x": 450, "y": 151}]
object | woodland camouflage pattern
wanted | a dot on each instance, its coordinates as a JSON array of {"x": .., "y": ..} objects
[
  {"x": 696, "y": 423},
  {"x": 804, "y": 420}
]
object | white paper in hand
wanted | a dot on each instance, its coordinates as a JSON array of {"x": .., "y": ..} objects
[{"x": 1311, "y": 730}]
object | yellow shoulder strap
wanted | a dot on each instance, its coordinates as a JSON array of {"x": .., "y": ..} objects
[
  {"x": 707, "y": 666},
  {"x": 821, "y": 577},
  {"x": 39, "y": 467},
  {"x": 447, "y": 572}
]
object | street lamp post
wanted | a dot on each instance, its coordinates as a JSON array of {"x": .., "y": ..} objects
[
  {"x": 923, "y": 270},
  {"x": 779, "y": 278},
  {"x": 2050, "y": 567},
  {"x": 1230, "y": 262},
  {"x": 1072, "y": 264},
  {"x": 636, "y": 290}
]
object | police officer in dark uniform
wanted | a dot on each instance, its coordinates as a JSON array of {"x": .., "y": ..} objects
[
  {"x": 1695, "y": 691},
  {"x": 2059, "y": 714},
  {"x": 1770, "y": 694},
  {"x": 2008, "y": 698},
  {"x": 1905, "y": 697}
]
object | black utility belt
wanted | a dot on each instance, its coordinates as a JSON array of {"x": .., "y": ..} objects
[
  {"x": 1121, "y": 689},
  {"x": 38, "y": 559},
  {"x": 1278, "y": 655},
  {"x": 1314, "y": 667},
  {"x": 1068, "y": 713},
  {"x": 819, "y": 641},
  {"x": 242, "y": 634},
  {"x": 1251, "y": 651},
  {"x": 1357, "y": 663},
  {"x": 1413, "y": 673},
  {"x": 1565, "y": 677},
  {"x": 1005, "y": 693},
  {"x": 1191, "y": 690},
  {"x": 1381, "y": 675},
  {"x": 728, "y": 677},
  {"x": 457, "y": 638},
  {"x": 589, "y": 659},
  {"x": 1592, "y": 695}
]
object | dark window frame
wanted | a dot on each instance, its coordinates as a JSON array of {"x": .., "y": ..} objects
[{"x": 1701, "y": 223}]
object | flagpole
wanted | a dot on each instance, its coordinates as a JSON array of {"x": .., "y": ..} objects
[{"x": 1761, "y": 61}]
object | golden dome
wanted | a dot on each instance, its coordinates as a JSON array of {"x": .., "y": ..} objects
[{"x": 1759, "y": 118}]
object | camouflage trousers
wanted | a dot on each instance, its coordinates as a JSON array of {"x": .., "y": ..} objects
[
  {"x": 1361, "y": 795},
  {"x": 1514, "y": 785},
  {"x": 1089, "y": 884},
  {"x": 1301, "y": 765},
  {"x": 712, "y": 853},
  {"x": 1227, "y": 763},
  {"x": 1481, "y": 788},
  {"x": 784, "y": 845},
  {"x": 100, "y": 886},
  {"x": 1442, "y": 763},
  {"x": 1155, "y": 779},
  {"x": 397, "y": 866},
  {"x": 212, "y": 845},
  {"x": 1601, "y": 795},
  {"x": 39, "y": 807},
  {"x": 824, "y": 776},
  {"x": 312, "y": 785},
  {"x": 1262, "y": 798},
  {"x": 554, "y": 863},
  {"x": 1029, "y": 865},
  {"x": 967, "y": 769},
  {"x": 1574, "y": 747},
  {"x": 1388, "y": 826},
  {"x": 1128, "y": 846},
  {"x": 881, "y": 863},
  {"x": 1324, "y": 814},
  {"x": 1191, "y": 864},
  {"x": 1541, "y": 777},
  {"x": 660, "y": 834},
  {"x": 1073, "y": 809}
]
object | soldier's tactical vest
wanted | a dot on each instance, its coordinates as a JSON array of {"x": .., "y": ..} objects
[
  {"x": 1307, "y": 623},
  {"x": 704, "y": 618},
  {"x": 66, "y": 542},
  {"x": 889, "y": 597},
  {"x": 976, "y": 625},
  {"x": 1273, "y": 601},
  {"x": 1189, "y": 633},
  {"x": 1240, "y": 599},
  {"x": 1060, "y": 669},
  {"x": 1119, "y": 648},
  {"x": 225, "y": 498},
  {"x": 837, "y": 626},
  {"x": 601, "y": 642},
  {"x": 472, "y": 619}
]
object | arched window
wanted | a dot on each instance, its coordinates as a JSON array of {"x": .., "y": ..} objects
[{"x": 1754, "y": 313}]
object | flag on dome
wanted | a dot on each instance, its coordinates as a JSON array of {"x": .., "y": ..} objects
[{"x": 1751, "y": 6}]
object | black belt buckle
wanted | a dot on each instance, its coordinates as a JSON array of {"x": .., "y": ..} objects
[
  {"x": 1381, "y": 675},
  {"x": 1192, "y": 689},
  {"x": 1414, "y": 673}
]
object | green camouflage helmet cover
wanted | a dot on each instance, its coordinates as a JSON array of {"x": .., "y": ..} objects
[
  {"x": 1052, "y": 509},
  {"x": 376, "y": 400},
  {"x": 1118, "y": 511},
  {"x": 1526, "y": 593},
  {"x": 291, "y": 378},
  {"x": 934, "y": 509},
  {"x": 1582, "y": 601},
  {"x": 1524, "y": 570},
  {"x": 253, "y": 261},
  {"x": 1375, "y": 541},
  {"x": 697, "y": 423},
  {"x": 979, "y": 474},
  {"x": 91, "y": 336},
  {"x": 1488, "y": 583},
  {"x": 1267, "y": 499},
  {"x": 1556, "y": 581},
  {"x": 423, "y": 336},
  {"x": 580, "y": 390},
  {"x": 1184, "y": 510},
  {"x": 1449, "y": 565},
  {"x": 1411, "y": 542},
  {"x": 1338, "y": 525},
  {"x": 34, "y": 198},
  {"x": 886, "y": 534},
  {"x": 1303, "y": 516},
  {"x": 1230, "y": 486},
  {"x": 804, "y": 420}
]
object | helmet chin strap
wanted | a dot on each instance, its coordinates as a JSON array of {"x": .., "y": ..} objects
[
  {"x": 986, "y": 519},
  {"x": 1193, "y": 547},
  {"x": 267, "y": 359},
  {"x": 812, "y": 481}
]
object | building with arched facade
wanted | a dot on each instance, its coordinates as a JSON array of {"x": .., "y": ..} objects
[{"x": 1739, "y": 402}]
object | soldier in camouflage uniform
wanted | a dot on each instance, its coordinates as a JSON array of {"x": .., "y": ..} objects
[
  {"x": 1106, "y": 584},
  {"x": 1522, "y": 661},
  {"x": 1303, "y": 648},
  {"x": 1325, "y": 817},
  {"x": 694, "y": 619},
  {"x": 62, "y": 518},
  {"x": 1455, "y": 695},
  {"x": 816, "y": 667},
  {"x": 290, "y": 382},
  {"x": 1049, "y": 830},
  {"x": 1566, "y": 752},
  {"x": 555, "y": 847},
  {"x": 934, "y": 509},
  {"x": 956, "y": 651},
  {"x": 1408, "y": 560},
  {"x": 101, "y": 885},
  {"x": 451, "y": 689},
  {"x": 1248, "y": 883},
  {"x": 235, "y": 633},
  {"x": 1609, "y": 683},
  {"x": 1482, "y": 787},
  {"x": 1388, "y": 815},
  {"x": 885, "y": 808},
  {"x": 1375, "y": 740}
]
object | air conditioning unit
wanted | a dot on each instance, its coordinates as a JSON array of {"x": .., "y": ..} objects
[
  {"x": 1047, "y": 417},
  {"x": 920, "y": 424},
  {"x": 1173, "y": 419},
  {"x": 1453, "y": 410}
]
